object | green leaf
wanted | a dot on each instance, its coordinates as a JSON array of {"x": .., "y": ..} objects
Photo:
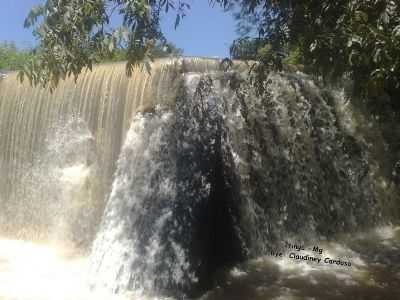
[
  {"x": 111, "y": 46},
  {"x": 396, "y": 31},
  {"x": 177, "y": 20},
  {"x": 377, "y": 55},
  {"x": 361, "y": 16}
]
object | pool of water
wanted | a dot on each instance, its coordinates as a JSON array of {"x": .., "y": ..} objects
[{"x": 30, "y": 271}]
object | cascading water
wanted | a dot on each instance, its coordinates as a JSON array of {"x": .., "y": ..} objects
[
  {"x": 161, "y": 226},
  {"x": 103, "y": 100},
  {"x": 167, "y": 178}
]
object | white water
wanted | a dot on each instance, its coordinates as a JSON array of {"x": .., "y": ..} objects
[
  {"x": 146, "y": 155},
  {"x": 31, "y": 271},
  {"x": 205, "y": 176}
]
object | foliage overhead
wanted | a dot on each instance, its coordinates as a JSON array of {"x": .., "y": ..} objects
[
  {"x": 75, "y": 34},
  {"x": 358, "y": 39},
  {"x": 355, "y": 38}
]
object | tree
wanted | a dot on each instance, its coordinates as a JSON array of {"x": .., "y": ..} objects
[
  {"x": 358, "y": 39},
  {"x": 160, "y": 50},
  {"x": 75, "y": 34},
  {"x": 353, "y": 38},
  {"x": 11, "y": 58},
  {"x": 246, "y": 48}
]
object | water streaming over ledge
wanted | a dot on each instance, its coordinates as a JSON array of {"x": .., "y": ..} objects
[
  {"x": 165, "y": 179},
  {"x": 37, "y": 127}
]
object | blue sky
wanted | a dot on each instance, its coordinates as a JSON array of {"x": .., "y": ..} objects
[{"x": 205, "y": 31}]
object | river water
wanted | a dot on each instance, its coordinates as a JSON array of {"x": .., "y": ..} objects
[{"x": 31, "y": 271}]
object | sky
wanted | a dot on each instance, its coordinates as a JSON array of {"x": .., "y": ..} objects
[{"x": 205, "y": 31}]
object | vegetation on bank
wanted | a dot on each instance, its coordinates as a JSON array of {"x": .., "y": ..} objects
[{"x": 12, "y": 58}]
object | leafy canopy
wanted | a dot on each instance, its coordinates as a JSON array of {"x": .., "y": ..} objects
[
  {"x": 359, "y": 39},
  {"x": 333, "y": 38},
  {"x": 75, "y": 34}
]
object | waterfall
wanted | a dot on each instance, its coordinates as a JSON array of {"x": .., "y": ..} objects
[
  {"x": 223, "y": 175},
  {"x": 167, "y": 177},
  {"x": 103, "y": 101}
]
